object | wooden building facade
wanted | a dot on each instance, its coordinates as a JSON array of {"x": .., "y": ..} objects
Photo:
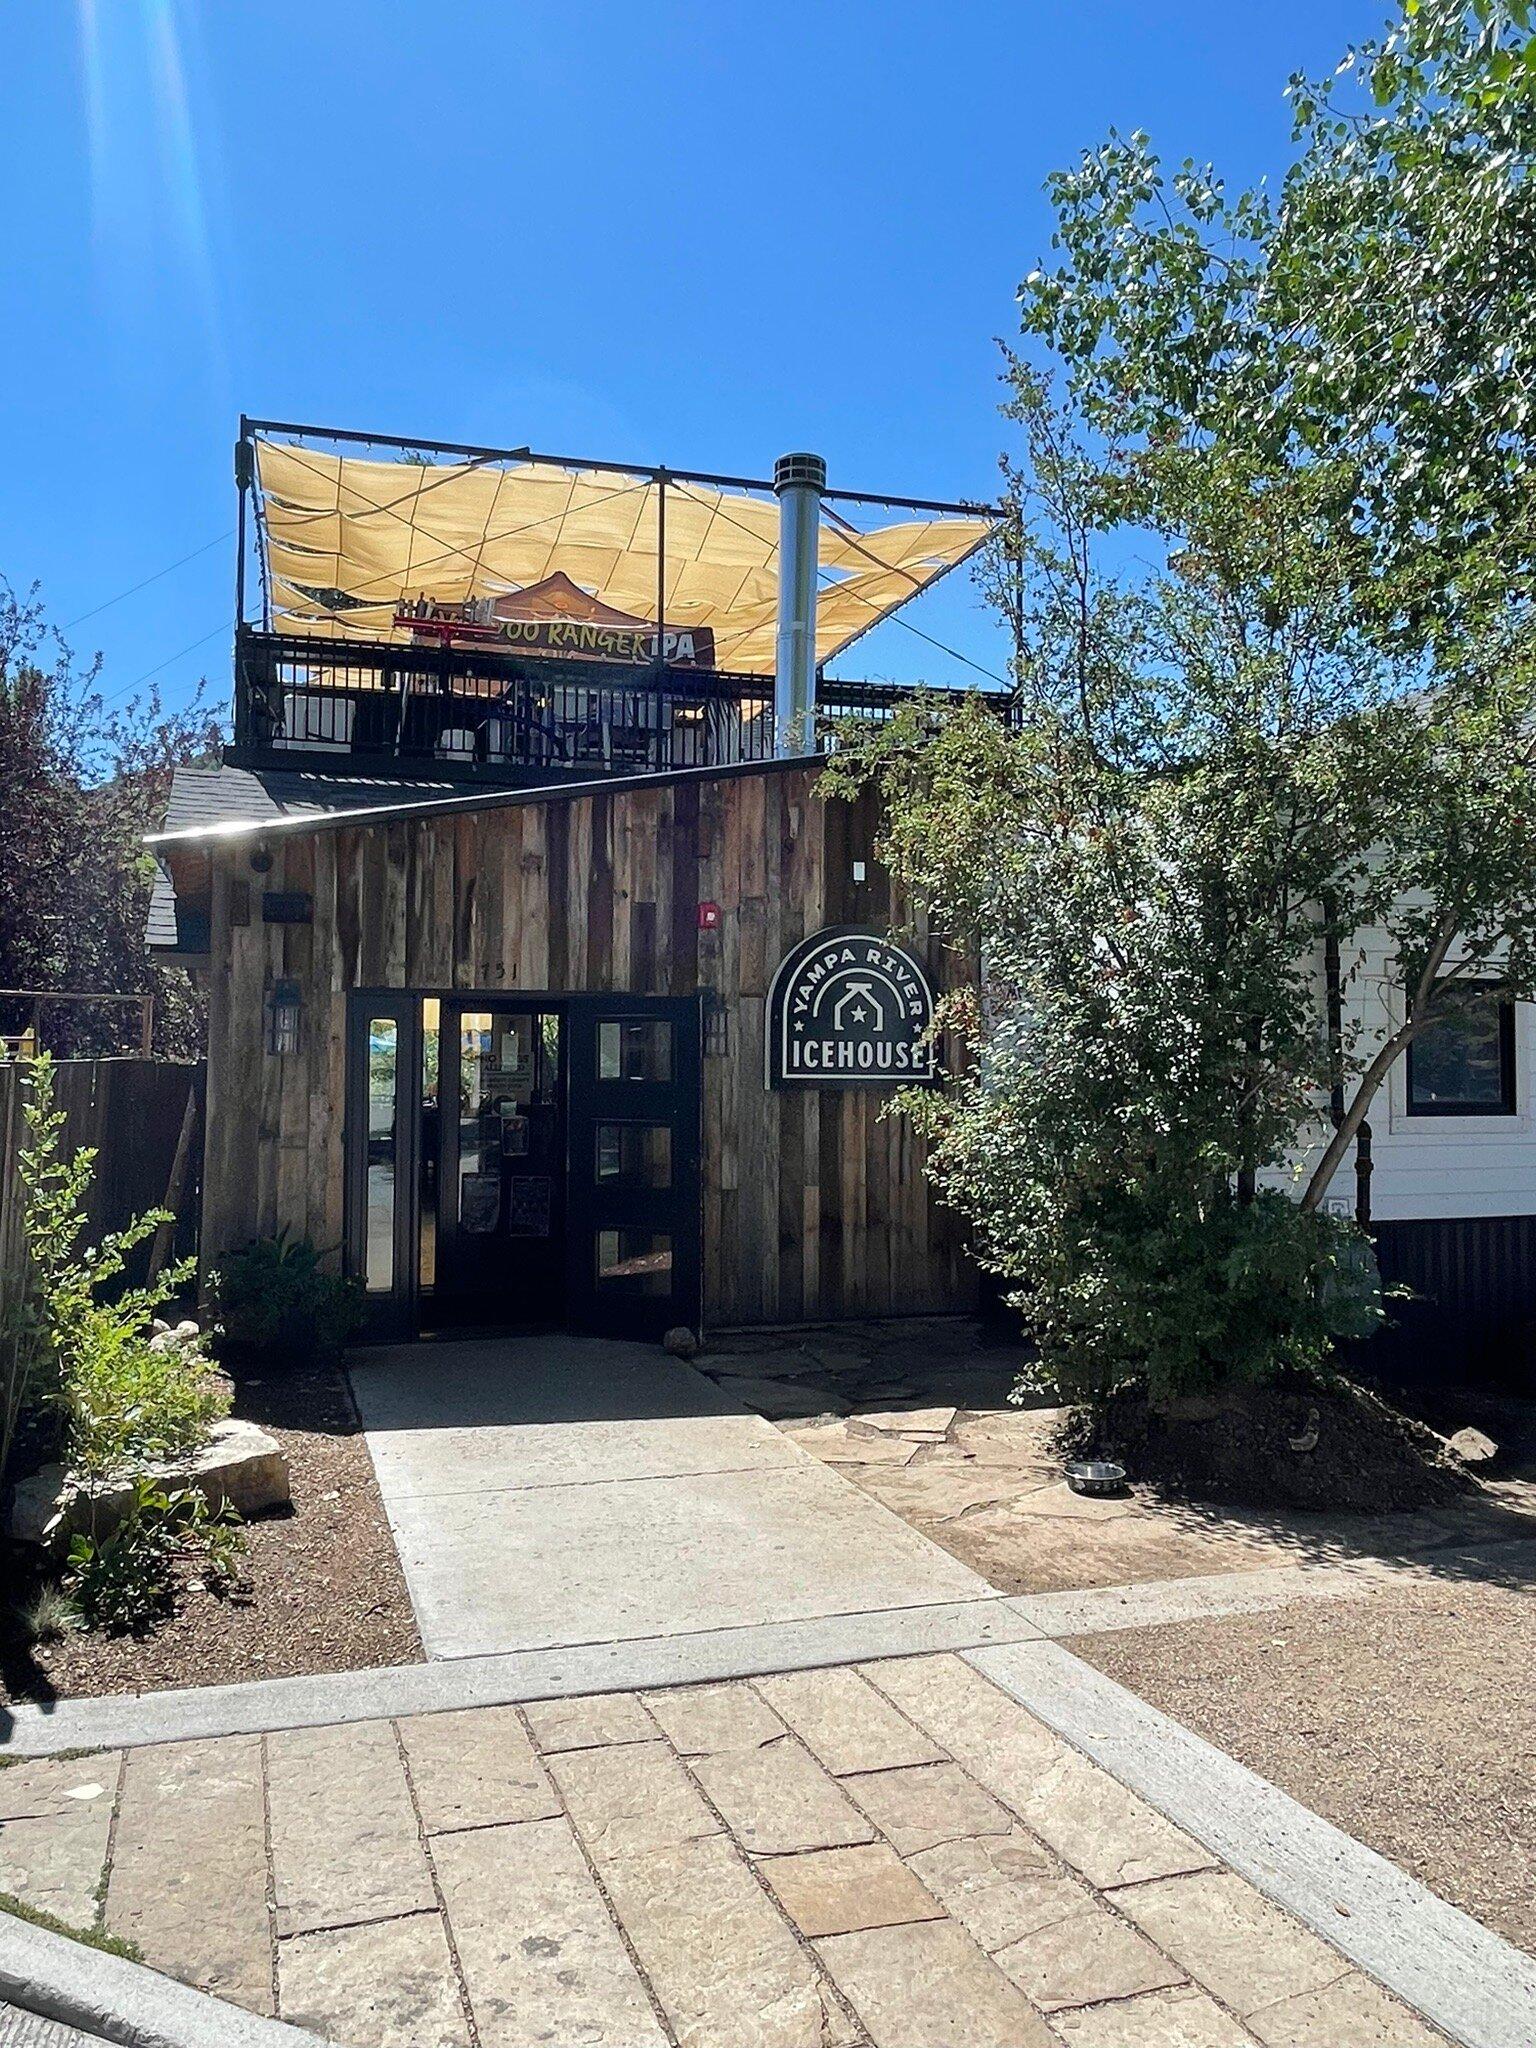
[{"x": 433, "y": 1033}]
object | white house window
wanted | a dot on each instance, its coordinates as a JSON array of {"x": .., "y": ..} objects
[{"x": 1464, "y": 1064}]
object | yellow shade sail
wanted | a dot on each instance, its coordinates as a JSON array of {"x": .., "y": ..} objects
[{"x": 350, "y": 542}]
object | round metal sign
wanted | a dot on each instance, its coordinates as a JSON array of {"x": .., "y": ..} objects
[{"x": 849, "y": 1009}]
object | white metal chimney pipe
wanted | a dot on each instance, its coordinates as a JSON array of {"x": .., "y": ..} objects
[{"x": 799, "y": 481}]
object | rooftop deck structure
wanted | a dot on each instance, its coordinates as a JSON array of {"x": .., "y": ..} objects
[{"x": 495, "y": 615}]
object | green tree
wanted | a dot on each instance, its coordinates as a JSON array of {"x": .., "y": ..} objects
[
  {"x": 81, "y": 781},
  {"x": 1267, "y": 571},
  {"x": 1377, "y": 311}
]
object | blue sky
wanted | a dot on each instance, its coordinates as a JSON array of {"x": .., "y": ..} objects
[{"x": 687, "y": 233}]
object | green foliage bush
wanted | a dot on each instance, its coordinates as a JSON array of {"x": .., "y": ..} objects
[
  {"x": 125, "y": 1579},
  {"x": 134, "y": 1401},
  {"x": 130, "y": 1394},
  {"x": 127, "y": 1397},
  {"x": 274, "y": 1295},
  {"x": 1267, "y": 568}
]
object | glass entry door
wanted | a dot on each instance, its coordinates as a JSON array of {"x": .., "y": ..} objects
[
  {"x": 498, "y": 1252},
  {"x": 634, "y": 1212},
  {"x": 383, "y": 1130}
]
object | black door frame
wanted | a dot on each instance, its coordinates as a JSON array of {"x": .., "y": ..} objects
[
  {"x": 679, "y": 1210},
  {"x": 392, "y": 1314},
  {"x": 587, "y": 1208}
]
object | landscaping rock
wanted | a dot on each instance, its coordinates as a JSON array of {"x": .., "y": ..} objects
[
  {"x": 240, "y": 1464},
  {"x": 680, "y": 1341},
  {"x": 1471, "y": 1447},
  {"x": 925, "y": 1425}
]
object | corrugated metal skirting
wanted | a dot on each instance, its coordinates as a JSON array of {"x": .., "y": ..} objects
[{"x": 1474, "y": 1309}]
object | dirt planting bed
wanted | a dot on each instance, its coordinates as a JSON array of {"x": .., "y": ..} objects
[
  {"x": 1338, "y": 1447},
  {"x": 322, "y": 1588}
]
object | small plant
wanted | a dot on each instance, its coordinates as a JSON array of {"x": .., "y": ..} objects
[
  {"x": 223, "y": 1540},
  {"x": 132, "y": 1399},
  {"x": 274, "y": 1295},
  {"x": 92, "y": 1346},
  {"x": 126, "y": 1580},
  {"x": 131, "y": 1391},
  {"x": 49, "y": 1615}
]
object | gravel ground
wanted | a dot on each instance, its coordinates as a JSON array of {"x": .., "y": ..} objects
[
  {"x": 1407, "y": 1718},
  {"x": 323, "y": 1590}
]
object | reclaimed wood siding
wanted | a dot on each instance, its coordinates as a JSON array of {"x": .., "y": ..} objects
[{"x": 815, "y": 1205}]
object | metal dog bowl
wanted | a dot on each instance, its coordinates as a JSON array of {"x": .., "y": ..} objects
[{"x": 1095, "y": 1475}]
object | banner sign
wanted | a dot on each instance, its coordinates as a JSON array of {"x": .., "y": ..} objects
[
  {"x": 555, "y": 617},
  {"x": 849, "y": 1009}
]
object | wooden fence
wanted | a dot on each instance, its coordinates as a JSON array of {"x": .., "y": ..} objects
[{"x": 132, "y": 1111}]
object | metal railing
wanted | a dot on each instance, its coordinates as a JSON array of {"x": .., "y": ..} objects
[
  {"x": 477, "y": 714},
  {"x": 465, "y": 710}
]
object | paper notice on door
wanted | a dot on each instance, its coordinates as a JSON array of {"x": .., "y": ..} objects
[
  {"x": 480, "y": 1202},
  {"x": 529, "y": 1206},
  {"x": 516, "y": 1068}
]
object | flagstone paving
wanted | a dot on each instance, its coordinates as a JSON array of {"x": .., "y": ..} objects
[
  {"x": 982, "y": 1479},
  {"x": 897, "y": 1855}
]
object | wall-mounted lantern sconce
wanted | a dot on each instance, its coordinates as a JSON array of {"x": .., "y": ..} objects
[
  {"x": 284, "y": 1008},
  {"x": 717, "y": 1026}
]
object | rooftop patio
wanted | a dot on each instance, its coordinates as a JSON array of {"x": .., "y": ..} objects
[{"x": 482, "y": 715}]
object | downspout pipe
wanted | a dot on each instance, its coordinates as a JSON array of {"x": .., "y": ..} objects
[
  {"x": 799, "y": 481},
  {"x": 1334, "y": 980}
]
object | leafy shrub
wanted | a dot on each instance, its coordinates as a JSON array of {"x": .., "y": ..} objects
[
  {"x": 134, "y": 1400},
  {"x": 275, "y": 1296},
  {"x": 126, "y": 1579},
  {"x": 128, "y": 1397},
  {"x": 1190, "y": 1296},
  {"x": 130, "y": 1391}
]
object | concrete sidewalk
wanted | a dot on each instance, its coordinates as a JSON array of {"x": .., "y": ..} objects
[{"x": 552, "y": 1491}]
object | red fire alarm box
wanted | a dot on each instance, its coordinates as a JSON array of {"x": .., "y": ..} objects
[{"x": 709, "y": 917}]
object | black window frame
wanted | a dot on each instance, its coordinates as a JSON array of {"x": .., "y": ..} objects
[{"x": 1509, "y": 1094}]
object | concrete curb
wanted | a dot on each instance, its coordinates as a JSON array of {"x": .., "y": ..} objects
[
  {"x": 113, "y": 2000},
  {"x": 507, "y": 1677},
  {"x": 1158, "y": 1602},
  {"x": 1437, "y": 1959},
  {"x": 1154, "y": 1603},
  {"x": 132, "y": 1720}
]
